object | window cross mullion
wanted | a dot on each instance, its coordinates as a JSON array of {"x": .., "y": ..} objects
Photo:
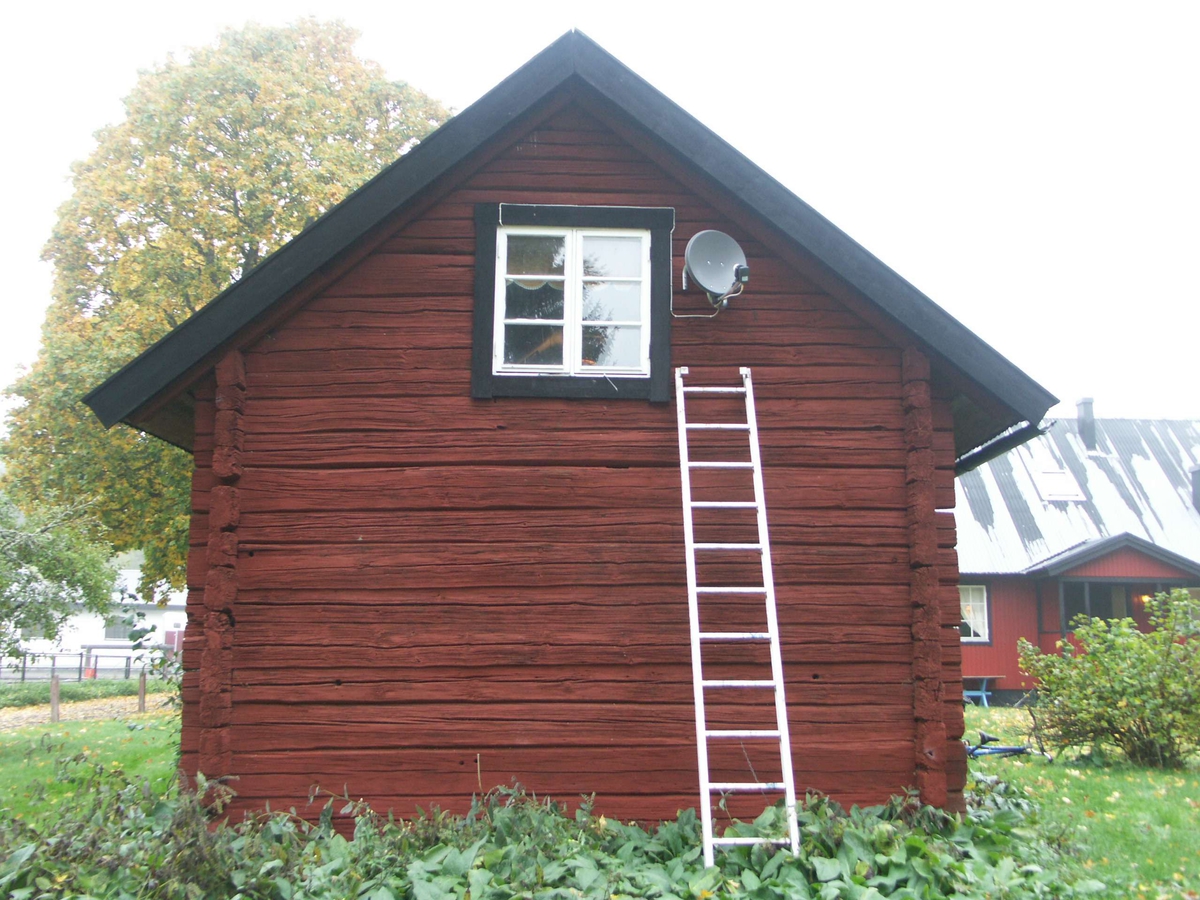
[{"x": 574, "y": 305}]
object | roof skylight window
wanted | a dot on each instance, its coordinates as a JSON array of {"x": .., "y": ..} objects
[{"x": 1057, "y": 484}]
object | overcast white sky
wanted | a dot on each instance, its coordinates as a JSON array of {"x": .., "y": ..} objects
[{"x": 1032, "y": 167}]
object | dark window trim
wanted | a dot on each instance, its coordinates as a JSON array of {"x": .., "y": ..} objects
[
  {"x": 1037, "y": 600},
  {"x": 987, "y": 600},
  {"x": 660, "y": 221},
  {"x": 1121, "y": 580}
]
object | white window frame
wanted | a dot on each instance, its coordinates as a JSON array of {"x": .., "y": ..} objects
[
  {"x": 572, "y": 321},
  {"x": 1058, "y": 485},
  {"x": 984, "y": 635}
]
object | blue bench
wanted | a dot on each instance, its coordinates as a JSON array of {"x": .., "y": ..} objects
[{"x": 980, "y": 696}]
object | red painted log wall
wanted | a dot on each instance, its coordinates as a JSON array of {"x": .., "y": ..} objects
[{"x": 437, "y": 594}]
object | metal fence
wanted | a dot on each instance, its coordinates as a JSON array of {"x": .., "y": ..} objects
[{"x": 83, "y": 666}]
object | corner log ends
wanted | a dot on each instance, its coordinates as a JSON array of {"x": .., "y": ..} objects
[
  {"x": 220, "y": 580},
  {"x": 930, "y": 745}
]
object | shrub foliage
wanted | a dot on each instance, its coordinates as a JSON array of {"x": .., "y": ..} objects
[
  {"x": 117, "y": 838},
  {"x": 1115, "y": 686}
]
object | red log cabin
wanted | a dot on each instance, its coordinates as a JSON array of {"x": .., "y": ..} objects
[
  {"x": 1088, "y": 518},
  {"x": 437, "y": 541}
]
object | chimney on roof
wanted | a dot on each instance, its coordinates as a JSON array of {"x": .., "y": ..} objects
[
  {"x": 1087, "y": 423},
  {"x": 1196, "y": 487}
]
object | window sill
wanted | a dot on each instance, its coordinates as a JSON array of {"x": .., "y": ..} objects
[{"x": 589, "y": 387}]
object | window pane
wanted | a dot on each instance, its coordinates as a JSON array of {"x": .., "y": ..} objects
[
  {"x": 612, "y": 257},
  {"x": 536, "y": 254},
  {"x": 605, "y": 301},
  {"x": 117, "y": 631},
  {"x": 1100, "y": 596},
  {"x": 1073, "y": 604},
  {"x": 533, "y": 345},
  {"x": 973, "y": 606},
  {"x": 612, "y": 346},
  {"x": 542, "y": 300}
]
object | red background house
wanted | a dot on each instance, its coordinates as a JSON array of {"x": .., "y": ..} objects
[
  {"x": 1088, "y": 518},
  {"x": 415, "y": 573}
]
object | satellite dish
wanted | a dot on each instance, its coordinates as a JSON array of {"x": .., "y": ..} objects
[{"x": 715, "y": 262}]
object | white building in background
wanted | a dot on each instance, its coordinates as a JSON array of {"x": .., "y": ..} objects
[{"x": 92, "y": 646}]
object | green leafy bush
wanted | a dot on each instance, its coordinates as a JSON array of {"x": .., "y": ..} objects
[
  {"x": 37, "y": 693},
  {"x": 116, "y": 838},
  {"x": 1137, "y": 691}
]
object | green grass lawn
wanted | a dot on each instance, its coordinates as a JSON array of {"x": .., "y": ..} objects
[
  {"x": 36, "y": 693},
  {"x": 37, "y": 762},
  {"x": 1136, "y": 829}
]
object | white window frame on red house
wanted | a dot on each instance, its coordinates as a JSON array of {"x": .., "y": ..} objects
[
  {"x": 973, "y": 611},
  {"x": 646, "y": 377},
  {"x": 574, "y": 280}
]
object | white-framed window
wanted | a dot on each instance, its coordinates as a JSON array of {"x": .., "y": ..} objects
[
  {"x": 973, "y": 601},
  {"x": 117, "y": 630},
  {"x": 572, "y": 301}
]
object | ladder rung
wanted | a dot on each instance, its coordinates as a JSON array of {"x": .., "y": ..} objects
[
  {"x": 746, "y": 786},
  {"x": 717, "y": 426},
  {"x": 721, "y": 465},
  {"x": 714, "y": 390},
  {"x": 735, "y": 683},
  {"x": 748, "y": 841},
  {"x": 707, "y": 546},
  {"x": 735, "y": 636},
  {"x": 724, "y": 504},
  {"x": 731, "y": 590},
  {"x": 742, "y": 733}
]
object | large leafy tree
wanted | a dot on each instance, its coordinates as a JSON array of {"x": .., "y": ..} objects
[
  {"x": 49, "y": 569},
  {"x": 220, "y": 159}
]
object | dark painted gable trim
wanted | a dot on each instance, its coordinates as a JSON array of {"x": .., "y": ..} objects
[
  {"x": 1093, "y": 550},
  {"x": 573, "y": 56}
]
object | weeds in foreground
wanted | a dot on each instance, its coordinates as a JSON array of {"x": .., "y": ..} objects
[{"x": 119, "y": 838}]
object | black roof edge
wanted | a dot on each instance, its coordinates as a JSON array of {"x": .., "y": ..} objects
[
  {"x": 572, "y": 54},
  {"x": 831, "y": 246},
  {"x": 317, "y": 245},
  {"x": 1090, "y": 550},
  {"x": 1001, "y": 444}
]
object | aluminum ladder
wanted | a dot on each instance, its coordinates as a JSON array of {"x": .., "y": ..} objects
[{"x": 767, "y": 590}]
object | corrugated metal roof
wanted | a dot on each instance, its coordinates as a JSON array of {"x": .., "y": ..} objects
[{"x": 1052, "y": 494}]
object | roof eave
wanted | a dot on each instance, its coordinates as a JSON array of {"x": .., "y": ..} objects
[
  {"x": 168, "y": 364},
  {"x": 178, "y": 352},
  {"x": 842, "y": 255},
  {"x": 1089, "y": 551}
]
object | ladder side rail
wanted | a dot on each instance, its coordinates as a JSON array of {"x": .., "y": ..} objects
[
  {"x": 694, "y": 622},
  {"x": 781, "y": 712}
]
